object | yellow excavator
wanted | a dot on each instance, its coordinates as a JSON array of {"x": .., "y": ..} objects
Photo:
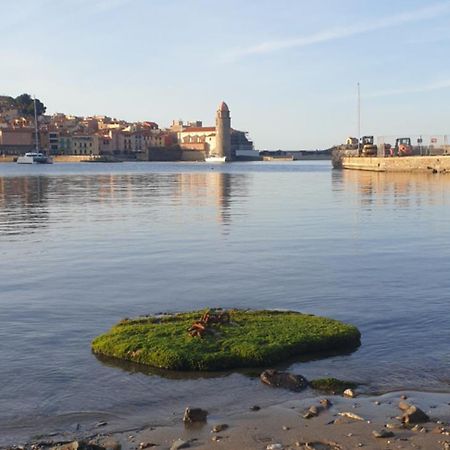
[{"x": 367, "y": 147}]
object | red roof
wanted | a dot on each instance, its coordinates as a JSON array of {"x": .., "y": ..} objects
[{"x": 198, "y": 129}]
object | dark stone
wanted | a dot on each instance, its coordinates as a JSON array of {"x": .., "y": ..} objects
[
  {"x": 283, "y": 380},
  {"x": 414, "y": 415},
  {"x": 255, "y": 408},
  {"x": 195, "y": 415}
]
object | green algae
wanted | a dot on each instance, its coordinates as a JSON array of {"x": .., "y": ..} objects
[
  {"x": 332, "y": 385},
  {"x": 251, "y": 339}
]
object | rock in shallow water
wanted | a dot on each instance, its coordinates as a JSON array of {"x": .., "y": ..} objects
[
  {"x": 414, "y": 415},
  {"x": 283, "y": 380},
  {"x": 192, "y": 415}
]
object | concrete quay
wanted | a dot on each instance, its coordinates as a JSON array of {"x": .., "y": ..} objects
[{"x": 433, "y": 164}]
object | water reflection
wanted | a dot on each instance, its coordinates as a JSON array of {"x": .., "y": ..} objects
[
  {"x": 402, "y": 190},
  {"x": 23, "y": 204},
  {"x": 28, "y": 202},
  {"x": 252, "y": 372}
]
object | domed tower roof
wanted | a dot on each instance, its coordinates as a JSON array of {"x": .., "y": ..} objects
[{"x": 223, "y": 107}]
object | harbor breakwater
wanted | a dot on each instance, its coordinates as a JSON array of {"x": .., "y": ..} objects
[{"x": 432, "y": 164}]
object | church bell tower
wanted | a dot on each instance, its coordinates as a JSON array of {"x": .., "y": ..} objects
[{"x": 223, "y": 131}]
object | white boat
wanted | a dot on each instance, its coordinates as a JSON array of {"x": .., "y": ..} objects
[
  {"x": 215, "y": 159},
  {"x": 35, "y": 157}
]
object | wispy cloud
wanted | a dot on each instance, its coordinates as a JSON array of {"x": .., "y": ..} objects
[
  {"x": 415, "y": 15},
  {"x": 95, "y": 6},
  {"x": 429, "y": 87}
]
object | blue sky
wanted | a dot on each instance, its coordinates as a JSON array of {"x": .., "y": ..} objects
[{"x": 287, "y": 69}]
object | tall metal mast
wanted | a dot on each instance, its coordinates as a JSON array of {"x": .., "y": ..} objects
[
  {"x": 359, "y": 118},
  {"x": 36, "y": 133}
]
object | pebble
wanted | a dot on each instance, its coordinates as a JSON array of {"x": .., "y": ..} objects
[
  {"x": 351, "y": 415},
  {"x": 285, "y": 428},
  {"x": 313, "y": 411},
  {"x": 143, "y": 445},
  {"x": 275, "y": 447},
  {"x": 349, "y": 393},
  {"x": 216, "y": 438},
  {"x": 101, "y": 424},
  {"x": 255, "y": 408},
  {"x": 382, "y": 434},
  {"x": 220, "y": 427},
  {"x": 377, "y": 402},
  {"x": 326, "y": 403}
]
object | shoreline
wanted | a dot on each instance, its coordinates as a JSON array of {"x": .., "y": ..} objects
[{"x": 281, "y": 423}]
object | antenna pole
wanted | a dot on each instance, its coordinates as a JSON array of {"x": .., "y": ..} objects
[
  {"x": 359, "y": 119},
  {"x": 36, "y": 126}
]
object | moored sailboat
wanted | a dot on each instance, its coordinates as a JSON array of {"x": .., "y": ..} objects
[{"x": 36, "y": 157}]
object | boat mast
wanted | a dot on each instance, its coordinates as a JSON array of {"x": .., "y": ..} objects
[
  {"x": 359, "y": 118},
  {"x": 36, "y": 126}
]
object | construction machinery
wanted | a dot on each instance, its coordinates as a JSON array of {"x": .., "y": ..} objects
[
  {"x": 367, "y": 147},
  {"x": 403, "y": 147}
]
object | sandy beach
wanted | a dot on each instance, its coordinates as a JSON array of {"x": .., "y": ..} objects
[{"x": 347, "y": 423}]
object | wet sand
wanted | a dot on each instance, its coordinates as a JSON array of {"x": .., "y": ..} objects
[{"x": 284, "y": 424}]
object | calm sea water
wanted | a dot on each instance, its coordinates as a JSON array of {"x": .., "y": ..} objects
[{"x": 84, "y": 245}]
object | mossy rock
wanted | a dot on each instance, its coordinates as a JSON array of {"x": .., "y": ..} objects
[
  {"x": 332, "y": 385},
  {"x": 251, "y": 339}
]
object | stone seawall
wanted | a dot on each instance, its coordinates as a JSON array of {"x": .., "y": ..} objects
[
  {"x": 72, "y": 158},
  {"x": 398, "y": 164}
]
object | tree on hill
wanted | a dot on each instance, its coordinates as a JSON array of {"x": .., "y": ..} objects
[
  {"x": 7, "y": 102},
  {"x": 25, "y": 104}
]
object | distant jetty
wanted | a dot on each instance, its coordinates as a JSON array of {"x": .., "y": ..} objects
[
  {"x": 430, "y": 154},
  {"x": 341, "y": 159}
]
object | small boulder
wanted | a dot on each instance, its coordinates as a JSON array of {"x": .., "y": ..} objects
[
  {"x": 192, "y": 415},
  {"x": 283, "y": 380},
  {"x": 414, "y": 415}
]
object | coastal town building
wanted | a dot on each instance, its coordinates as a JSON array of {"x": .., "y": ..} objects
[
  {"x": 62, "y": 134},
  {"x": 221, "y": 140}
]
